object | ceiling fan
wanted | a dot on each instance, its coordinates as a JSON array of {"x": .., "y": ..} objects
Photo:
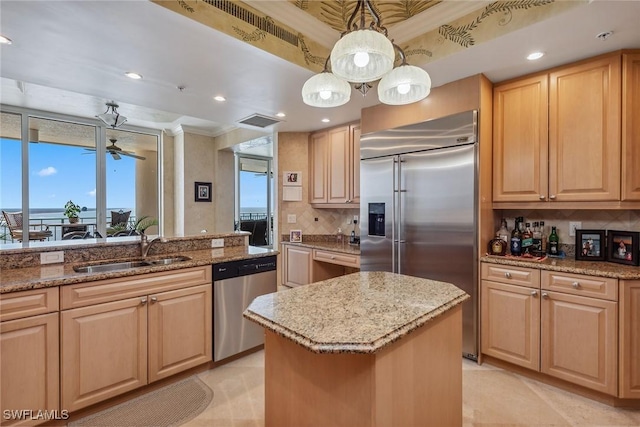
[{"x": 116, "y": 151}]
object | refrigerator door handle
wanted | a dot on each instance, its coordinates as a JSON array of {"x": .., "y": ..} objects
[
  {"x": 399, "y": 219},
  {"x": 394, "y": 266}
]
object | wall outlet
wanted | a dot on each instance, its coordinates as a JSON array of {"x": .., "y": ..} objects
[
  {"x": 291, "y": 218},
  {"x": 573, "y": 225},
  {"x": 217, "y": 243},
  {"x": 355, "y": 218},
  {"x": 51, "y": 257}
]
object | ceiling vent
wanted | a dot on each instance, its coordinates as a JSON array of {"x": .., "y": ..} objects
[{"x": 260, "y": 121}]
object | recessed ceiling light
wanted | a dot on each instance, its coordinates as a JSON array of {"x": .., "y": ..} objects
[
  {"x": 325, "y": 120},
  {"x": 604, "y": 35},
  {"x": 132, "y": 75},
  {"x": 5, "y": 40},
  {"x": 220, "y": 98},
  {"x": 281, "y": 114},
  {"x": 535, "y": 55}
]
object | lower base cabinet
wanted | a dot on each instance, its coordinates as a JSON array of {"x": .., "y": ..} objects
[
  {"x": 28, "y": 368},
  {"x": 567, "y": 334},
  {"x": 629, "y": 361},
  {"x": 110, "y": 348}
]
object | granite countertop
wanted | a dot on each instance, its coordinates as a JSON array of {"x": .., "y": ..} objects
[
  {"x": 591, "y": 268},
  {"x": 357, "y": 313},
  {"x": 20, "y": 279},
  {"x": 343, "y": 247}
]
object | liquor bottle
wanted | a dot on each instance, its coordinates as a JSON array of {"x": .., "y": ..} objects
[
  {"x": 503, "y": 232},
  {"x": 498, "y": 246},
  {"x": 516, "y": 239},
  {"x": 537, "y": 240},
  {"x": 554, "y": 242},
  {"x": 527, "y": 240},
  {"x": 543, "y": 239}
]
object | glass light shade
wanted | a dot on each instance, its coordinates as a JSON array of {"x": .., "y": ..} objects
[
  {"x": 326, "y": 90},
  {"x": 360, "y": 42},
  {"x": 404, "y": 85},
  {"x": 112, "y": 119}
]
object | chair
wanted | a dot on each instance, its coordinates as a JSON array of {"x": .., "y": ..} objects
[
  {"x": 119, "y": 218},
  {"x": 76, "y": 235},
  {"x": 14, "y": 222},
  {"x": 260, "y": 233}
]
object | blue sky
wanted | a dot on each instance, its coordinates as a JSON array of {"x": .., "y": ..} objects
[{"x": 58, "y": 173}]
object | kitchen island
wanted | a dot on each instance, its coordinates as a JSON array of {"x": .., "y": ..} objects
[{"x": 366, "y": 349}]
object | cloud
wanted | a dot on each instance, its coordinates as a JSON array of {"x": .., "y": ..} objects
[
  {"x": 48, "y": 171},
  {"x": 92, "y": 192}
]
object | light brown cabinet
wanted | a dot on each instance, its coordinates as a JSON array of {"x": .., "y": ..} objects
[
  {"x": 631, "y": 126},
  {"x": 629, "y": 360},
  {"x": 569, "y": 151},
  {"x": 297, "y": 265},
  {"x": 334, "y": 165},
  {"x": 120, "y": 334},
  {"x": 29, "y": 353},
  {"x": 303, "y": 265},
  {"x": 563, "y": 325}
]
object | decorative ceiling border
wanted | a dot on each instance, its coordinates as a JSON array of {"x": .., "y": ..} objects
[{"x": 245, "y": 23}]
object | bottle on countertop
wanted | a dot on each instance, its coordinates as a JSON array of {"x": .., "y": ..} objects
[
  {"x": 516, "y": 239},
  {"x": 554, "y": 242},
  {"x": 543, "y": 239},
  {"x": 339, "y": 235},
  {"x": 503, "y": 232},
  {"x": 537, "y": 240},
  {"x": 527, "y": 240},
  {"x": 498, "y": 246}
]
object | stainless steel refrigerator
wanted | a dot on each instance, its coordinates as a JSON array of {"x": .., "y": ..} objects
[{"x": 418, "y": 206}]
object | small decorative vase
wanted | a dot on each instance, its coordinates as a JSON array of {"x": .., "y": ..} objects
[{"x": 73, "y": 220}]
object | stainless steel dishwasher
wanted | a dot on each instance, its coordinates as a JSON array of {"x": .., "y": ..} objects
[{"x": 235, "y": 285}]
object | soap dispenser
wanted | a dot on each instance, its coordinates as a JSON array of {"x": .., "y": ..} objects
[{"x": 339, "y": 235}]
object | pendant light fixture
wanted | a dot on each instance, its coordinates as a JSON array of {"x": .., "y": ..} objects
[
  {"x": 363, "y": 55},
  {"x": 111, "y": 117}
]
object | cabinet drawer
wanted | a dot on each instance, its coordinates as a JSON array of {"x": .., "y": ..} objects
[
  {"x": 579, "y": 284},
  {"x": 511, "y": 275},
  {"x": 89, "y": 293},
  {"x": 337, "y": 258},
  {"x": 16, "y": 305}
]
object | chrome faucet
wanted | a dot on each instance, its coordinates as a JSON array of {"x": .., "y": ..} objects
[{"x": 145, "y": 244}]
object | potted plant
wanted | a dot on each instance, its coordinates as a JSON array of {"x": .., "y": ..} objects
[{"x": 71, "y": 211}]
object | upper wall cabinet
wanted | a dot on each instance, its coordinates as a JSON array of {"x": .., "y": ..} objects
[
  {"x": 335, "y": 167},
  {"x": 631, "y": 126},
  {"x": 557, "y": 135}
]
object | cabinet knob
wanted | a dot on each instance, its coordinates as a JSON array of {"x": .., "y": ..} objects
[
  {"x": 534, "y": 293},
  {"x": 545, "y": 295},
  {"x": 552, "y": 197},
  {"x": 542, "y": 197},
  {"x": 507, "y": 275},
  {"x": 143, "y": 301},
  {"x": 154, "y": 299},
  {"x": 575, "y": 285}
]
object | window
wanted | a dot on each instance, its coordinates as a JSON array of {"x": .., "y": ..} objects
[
  {"x": 102, "y": 170},
  {"x": 255, "y": 201}
]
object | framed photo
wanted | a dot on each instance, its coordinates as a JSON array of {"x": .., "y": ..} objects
[
  {"x": 590, "y": 245},
  {"x": 203, "y": 191},
  {"x": 292, "y": 178},
  {"x": 295, "y": 236},
  {"x": 622, "y": 247}
]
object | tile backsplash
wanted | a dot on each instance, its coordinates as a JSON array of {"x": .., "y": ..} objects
[
  {"x": 628, "y": 220},
  {"x": 328, "y": 220}
]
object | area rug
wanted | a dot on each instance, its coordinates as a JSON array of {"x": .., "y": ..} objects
[{"x": 170, "y": 406}]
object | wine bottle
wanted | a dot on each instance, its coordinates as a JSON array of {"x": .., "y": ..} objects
[
  {"x": 554, "y": 242},
  {"x": 516, "y": 239}
]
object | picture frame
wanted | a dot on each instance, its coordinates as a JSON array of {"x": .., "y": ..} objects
[
  {"x": 292, "y": 178},
  {"x": 202, "y": 191},
  {"x": 591, "y": 245},
  {"x": 295, "y": 236},
  {"x": 622, "y": 247}
]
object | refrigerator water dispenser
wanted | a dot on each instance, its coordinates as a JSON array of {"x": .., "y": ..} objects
[{"x": 376, "y": 219}]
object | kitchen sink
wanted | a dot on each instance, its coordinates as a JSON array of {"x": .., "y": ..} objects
[
  {"x": 166, "y": 261},
  {"x": 127, "y": 265}
]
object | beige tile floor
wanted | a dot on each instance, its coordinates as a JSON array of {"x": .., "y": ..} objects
[{"x": 491, "y": 397}]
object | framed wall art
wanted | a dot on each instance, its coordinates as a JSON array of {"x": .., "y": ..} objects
[
  {"x": 590, "y": 245},
  {"x": 622, "y": 246},
  {"x": 203, "y": 191},
  {"x": 292, "y": 178}
]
